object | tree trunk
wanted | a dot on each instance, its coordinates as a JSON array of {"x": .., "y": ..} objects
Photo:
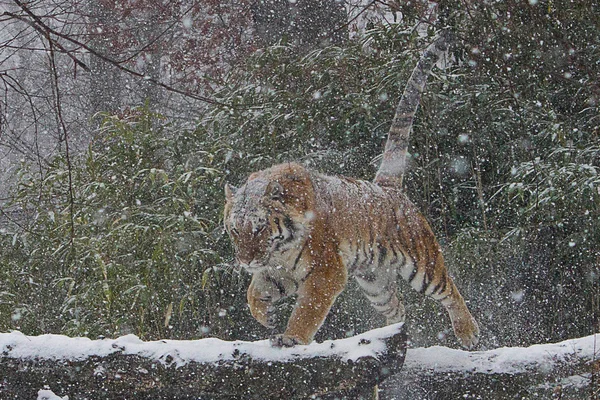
[
  {"x": 105, "y": 79},
  {"x": 128, "y": 368}
]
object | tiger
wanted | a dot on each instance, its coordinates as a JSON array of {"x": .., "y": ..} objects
[{"x": 300, "y": 232}]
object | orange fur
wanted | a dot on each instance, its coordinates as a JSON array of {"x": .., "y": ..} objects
[{"x": 345, "y": 226}]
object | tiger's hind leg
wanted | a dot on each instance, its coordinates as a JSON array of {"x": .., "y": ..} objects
[
  {"x": 464, "y": 325},
  {"x": 382, "y": 292},
  {"x": 437, "y": 284}
]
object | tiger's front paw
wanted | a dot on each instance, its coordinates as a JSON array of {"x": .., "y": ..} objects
[
  {"x": 284, "y": 341},
  {"x": 262, "y": 310}
]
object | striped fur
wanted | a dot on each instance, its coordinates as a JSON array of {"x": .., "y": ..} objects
[
  {"x": 393, "y": 165},
  {"x": 303, "y": 233}
]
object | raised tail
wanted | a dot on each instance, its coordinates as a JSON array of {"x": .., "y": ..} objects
[{"x": 392, "y": 168}]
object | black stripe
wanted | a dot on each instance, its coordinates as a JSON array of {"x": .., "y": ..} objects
[
  {"x": 385, "y": 311},
  {"x": 352, "y": 266},
  {"x": 394, "y": 255},
  {"x": 443, "y": 298},
  {"x": 364, "y": 251},
  {"x": 398, "y": 254},
  {"x": 371, "y": 248},
  {"x": 383, "y": 303},
  {"x": 423, "y": 287},
  {"x": 276, "y": 220},
  {"x": 289, "y": 224},
  {"x": 395, "y": 314},
  {"x": 382, "y": 254},
  {"x": 401, "y": 260},
  {"x": 277, "y": 284},
  {"x": 279, "y": 243},
  {"x": 426, "y": 279},
  {"x": 307, "y": 274},
  {"x": 437, "y": 287},
  {"x": 413, "y": 273},
  {"x": 298, "y": 256},
  {"x": 443, "y": 287}
]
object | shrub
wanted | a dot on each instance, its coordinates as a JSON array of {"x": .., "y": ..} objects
[{"x": 134, "y": 249}]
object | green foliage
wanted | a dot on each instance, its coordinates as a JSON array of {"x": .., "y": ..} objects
[
  {"x": 329, "y": 108},
  {"x": 525, "y": 208},
  {"x": 134, "y": 252},
  {"x": 562, "y": 189}
]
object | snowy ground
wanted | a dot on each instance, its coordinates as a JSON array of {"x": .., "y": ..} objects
[
  {"x": 45, "y": 394},
  {"x": 558, "y": 370}
]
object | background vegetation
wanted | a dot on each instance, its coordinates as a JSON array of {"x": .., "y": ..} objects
[{"x": 505, "y": 159}]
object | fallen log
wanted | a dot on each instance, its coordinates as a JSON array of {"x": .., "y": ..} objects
[
  {"x": 55, "y": 366},
  {"x": 565, "y": 370}
]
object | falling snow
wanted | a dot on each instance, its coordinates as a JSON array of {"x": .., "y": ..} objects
[{"x": 122, "y": 121}]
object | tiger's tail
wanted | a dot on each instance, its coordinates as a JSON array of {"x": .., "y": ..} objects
[{"x": 393, "y": 165}]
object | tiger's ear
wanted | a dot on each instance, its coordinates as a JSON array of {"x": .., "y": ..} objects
[
  {"x": 229, "y": 191},
  {"x": 275, "y": 190}
]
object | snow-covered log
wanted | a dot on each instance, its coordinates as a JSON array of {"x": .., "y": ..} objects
[
  {"x": 566, "y": 370},
  {"x": 128, "y": 368},
  {"x": 55, "y": 366}
]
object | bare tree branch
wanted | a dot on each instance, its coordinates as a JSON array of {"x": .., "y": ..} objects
[
  {"x": 45, "y": 33},
  {"x": 351, "y": 20},
  {"x": 42, "y": 27},
  {"x": 65, "y": 137}
]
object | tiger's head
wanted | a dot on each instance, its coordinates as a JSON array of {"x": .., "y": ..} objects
[{"x": 268, "y": 219}]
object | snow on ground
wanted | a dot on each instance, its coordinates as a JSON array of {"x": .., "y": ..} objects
[{"x": 181, "y": 352}]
